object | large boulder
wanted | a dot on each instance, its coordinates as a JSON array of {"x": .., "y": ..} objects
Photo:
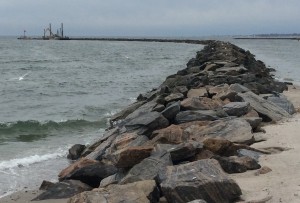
[
  {"x": 146, "y": 123},
  {"x": 202, "y": 179},
  {"x": 234, "y": 164},
  {"x": 62, "y": 190},
  {"x": 199, "y": 92},
  {"x": 171, "y": 111},
  {"x": 200, "y": 115},
  {"x": 283, "y": 102},
  {"x": 236, "y": 130},
  {"x": 180, "y": 152},
  {"x": 148, "y": 169},
  {"x": 267, "y": 110},
  {"x": 138, "y": 192},
  {"x": 125, "y": 112},
  {"x": 170, "y": 135},
  {"x": 75, "y": 151},
  {"x": 201, "y": 103},
  {"x": 130, "y": 156},
  {"x": 91, "y": 174},
  {"x": 236, "y": 108}
]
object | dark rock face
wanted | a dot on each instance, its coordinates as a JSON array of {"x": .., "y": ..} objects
[
  {"x": 171, "y": 111},
  {"x": 148, "y": 169},
  {"x": 63, "y": 190},
  {"x": 236, "y": 164},
  {"x": 138, "y": 192},
  {"x": 200, "y": 115},
  {"x": 202, "y": 179},
  {"x": 75, "y": 151},
  {"x": 146, "y": 123},
  {"x": 236, "y": 108},
  {"x": 92, "y": 174},
  {"x": 130, "y": 156}
]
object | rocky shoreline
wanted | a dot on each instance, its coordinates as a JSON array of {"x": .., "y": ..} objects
[{"x": 179, "y": 142}]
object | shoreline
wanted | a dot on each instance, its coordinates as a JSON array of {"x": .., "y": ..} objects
[
  {"x": 270, "y": 187},
  {"x": 230, "y": 68}
]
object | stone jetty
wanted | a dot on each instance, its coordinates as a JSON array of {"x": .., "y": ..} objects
[{"x": 178, "y": 142}]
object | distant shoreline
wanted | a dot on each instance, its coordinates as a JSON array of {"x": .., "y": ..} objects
[{"x": 268, "y": 38}]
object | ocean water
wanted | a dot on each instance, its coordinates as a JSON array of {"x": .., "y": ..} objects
[{"x": 54, "y": 94}]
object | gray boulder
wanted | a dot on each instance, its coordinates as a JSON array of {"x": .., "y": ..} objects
[
  {"x": 146, "y": 123},
  {"x": 171, "y": 111},
  {"x": 236, "y": 108},
  {"x": 267, "y": 110},
  {"x": 283, "y": 102},
  {"x": 200, "y": 115},
  {"x": 62, "y": 190},
  {"x": 202, "y": 179},
  {"x": 75, "y": 151}
]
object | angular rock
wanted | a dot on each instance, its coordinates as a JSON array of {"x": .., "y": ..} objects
[
  {"x": 125, "y": 112},
  {"x": 267, "y": 110},
  {"x": 201, "y": 103},
  {"x": 217, "y": 145},
  {"x": 202, "y": 179},
  {"x": 232, "y": 70},
  {"x": 81, "y": 163},
  {"x": 104, "y": 141},
  {"x": 75, "y": 151},
  {"x": 236, "y": 108},
  {"x": 138, "y": 192},
  {"x": 236, "y": 130},
  {"x": 99, "y": 151},
  {"x": 130, "y": 156},
  {"x": 174, "y": 97},
  {"x": 181, "y": 89},
  {"x": 91, "y": 174},
  {"x": 181, "y": 151},
  {"x": 200, "y": 92},
  {"x": 171, "y": 111},
  {"x": 124, "y": 141},
  {"x": 170, "y": 135},
  {"x": 62, "y": 190},
  {"x": 200, "y": 115},
  {"x": 253, "y": 121},
  {"x": 283, "y": 102},
  {"x": 203, "y": 154},
  {"x": 236, "y": 164},
  {"x": 238, "y": 88},
  {"x": 198, "y": 201},
  {"x": 148, "y": 169},
  {"x": 146, "y": 123},
  {"x": 245, "y": 152}
]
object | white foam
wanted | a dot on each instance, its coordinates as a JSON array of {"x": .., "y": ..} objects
[{"x": 26, "y": 161}]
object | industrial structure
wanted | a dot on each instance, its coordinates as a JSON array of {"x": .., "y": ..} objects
[{"x": 59, "y": 35}]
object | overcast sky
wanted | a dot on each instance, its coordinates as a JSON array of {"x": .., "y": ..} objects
[{"x": 150, "y": 17}]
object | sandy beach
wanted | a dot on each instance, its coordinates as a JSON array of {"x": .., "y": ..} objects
[{"x": 282, "y": 184}]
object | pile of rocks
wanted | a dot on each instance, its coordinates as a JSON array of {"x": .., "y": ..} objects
[{"x": 177, "y": 143}]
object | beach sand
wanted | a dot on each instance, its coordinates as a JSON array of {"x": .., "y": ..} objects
[{"x": 282, "y": 184}]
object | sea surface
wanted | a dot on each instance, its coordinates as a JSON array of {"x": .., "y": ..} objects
[{"x": 54, "y": 94}]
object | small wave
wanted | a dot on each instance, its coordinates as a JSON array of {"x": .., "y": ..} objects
[
  {"x": 26, "y": 161},
  {"x": 31, "y": 130}
]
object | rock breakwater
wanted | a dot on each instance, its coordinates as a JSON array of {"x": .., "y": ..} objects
[{"x": 177, "y": 142}]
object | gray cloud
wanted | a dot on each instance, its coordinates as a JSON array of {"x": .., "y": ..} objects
[{"x": 150, "y": 17}]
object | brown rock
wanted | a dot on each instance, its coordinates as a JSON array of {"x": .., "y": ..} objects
[
  {"x": 263, "y": 170},
  {"x": 217, "y": 145},
  {"x": 170, "y": 135},
  {"x": 174, "y": 97},
  {"x": 138, "y": 192},
  {"x": 200, "y": 92},
  {"x": 130, "y": 156},
  {"x": 83, "y": 162},
  {"x": 201, "y": 103}
]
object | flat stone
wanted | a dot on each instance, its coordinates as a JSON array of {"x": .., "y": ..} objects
[
  {"x": 200, "y": 92},
  {"x": 170, "y": 135},
  {"x": 174, "y": 97}
]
